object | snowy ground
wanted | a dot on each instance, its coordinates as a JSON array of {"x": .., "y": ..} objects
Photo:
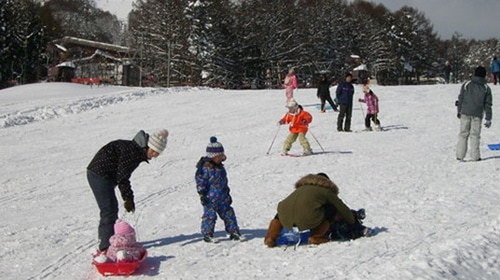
[{"x": 435, "y": 218}]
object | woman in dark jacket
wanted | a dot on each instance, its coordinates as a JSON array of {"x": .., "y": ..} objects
[
  {"x": 324, "y": 93},
  {"x": 112, "y": 166}
]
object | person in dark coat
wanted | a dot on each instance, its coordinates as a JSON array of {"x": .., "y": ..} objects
[
  {"x": 344, "y": 96},
  {"x": 112, "y": 166},
  {"x": 447, "y": 72},
  {"x": 323, "y": 93},
  {"x": 313, "y": 205}
]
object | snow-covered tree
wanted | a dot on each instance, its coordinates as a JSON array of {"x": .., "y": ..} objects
[
  {"x": 82, "y": 19},
  {"x": 159, "y": 30},
  {"x": 21, "y": 42}
]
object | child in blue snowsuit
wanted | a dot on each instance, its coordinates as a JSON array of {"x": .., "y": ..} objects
[{"x": 212, "y": 187}]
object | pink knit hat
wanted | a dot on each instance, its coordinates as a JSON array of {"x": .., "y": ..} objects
[{"x": 122, "y": 228}]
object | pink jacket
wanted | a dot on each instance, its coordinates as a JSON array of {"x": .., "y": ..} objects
[
  {"x": 290, "y": 81},
  {"x": 132, "y": 251},
  {"x": 371, "y": 101}
]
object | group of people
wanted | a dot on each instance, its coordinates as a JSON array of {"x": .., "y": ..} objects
[
  {"x": 313, "y": 205},
  {"x": 113, "y": 164},
  {"x": 298, "y": 119}
]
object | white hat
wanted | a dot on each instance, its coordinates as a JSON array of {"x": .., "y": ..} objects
[
  {"x": 291, "y": 104},
  {"x": 158, "y": 141}
]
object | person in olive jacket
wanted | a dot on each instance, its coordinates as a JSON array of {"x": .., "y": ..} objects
[
  {"x": 313, "y": 205},
  {"x": 112, "y": 166}
]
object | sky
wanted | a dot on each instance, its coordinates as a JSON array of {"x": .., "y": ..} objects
[
  {"x": 432, "y": 216},
  {"x": 476, "y": 19}
]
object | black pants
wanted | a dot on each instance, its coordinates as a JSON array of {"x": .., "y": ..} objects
[
  {"x": 329, "y": 99},
  {"x": 104, "y": 192},
  {"x": 372, "y": 117},
  {"x": 496, "y": 77},
  {"x": 345, "y": 111}
]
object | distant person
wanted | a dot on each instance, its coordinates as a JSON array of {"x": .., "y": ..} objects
[
  {"x": 495, "y": 70},
  {"x": 447, "y": 71},
  {"x": 371, "y": 101},
  {"x": 213, "y": 188},
  {"x": 298, "y": 120},
  {"x": 344, "y": 96},
  {"x": 112, "y": 166},
  {"x": 290, "y": 83},
  {"x": 474, "y": 102},
  {"x": 323, "y": 93}
]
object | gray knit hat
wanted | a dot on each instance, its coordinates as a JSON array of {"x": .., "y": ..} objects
[{"x": 158, "y": 141}]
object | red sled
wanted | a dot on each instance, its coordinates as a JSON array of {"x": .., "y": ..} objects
[{"x": 119, "y": 268}]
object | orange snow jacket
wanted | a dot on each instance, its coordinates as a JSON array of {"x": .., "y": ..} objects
[{"x": 299, "y": 121}]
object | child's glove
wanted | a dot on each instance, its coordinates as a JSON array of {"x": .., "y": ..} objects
[
  {"x": 458, "y": 115},
  {"x": 487, "y": 124},
  {"x": 280, "y": 122},
  {"x": 303, "y": 121},
  {"x": 129, "y": 205},
  {"x": 204, "y": 200},
  {"x": 360, "y": 100}
]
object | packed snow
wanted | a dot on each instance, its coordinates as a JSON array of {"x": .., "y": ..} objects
[{"x": 433, "y": 217}]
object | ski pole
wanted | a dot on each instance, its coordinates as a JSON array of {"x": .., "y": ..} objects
[
  {"x": 317, "y": 141},
  {"x": 362, "y": 110},
  {"x": 274, "y": 138}
]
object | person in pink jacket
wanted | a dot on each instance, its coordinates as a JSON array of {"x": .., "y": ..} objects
[
  {"x": 123, "y": 245},
  {"x": 290, "y": 84},
  {"x": 371, "y": 101}
]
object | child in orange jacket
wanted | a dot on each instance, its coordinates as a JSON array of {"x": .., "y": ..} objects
[{"x": 298, "y": 121}]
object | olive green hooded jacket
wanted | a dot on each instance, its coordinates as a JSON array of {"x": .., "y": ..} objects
[{"x": 305, "y": 207}]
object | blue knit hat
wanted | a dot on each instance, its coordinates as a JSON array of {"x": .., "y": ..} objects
[{"x": 214, "y": 148}]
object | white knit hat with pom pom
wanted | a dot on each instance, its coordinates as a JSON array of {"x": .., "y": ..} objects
[{"x": 158, "y": 141}]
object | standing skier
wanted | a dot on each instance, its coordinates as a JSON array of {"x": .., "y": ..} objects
[
  {"x": 298, "y": 121},
  {"x": 213, "y": 189},
  {"x": 371, "y": 101},
  {"x": 112, "y": 166},
  {"x": 344, "y": 95}
]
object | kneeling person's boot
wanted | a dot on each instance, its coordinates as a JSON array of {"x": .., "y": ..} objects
[
  {"x": 273, "y": 232},
  {"x": 318, "y": 234}
]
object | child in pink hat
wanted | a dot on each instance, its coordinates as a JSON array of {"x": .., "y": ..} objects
[{"x": 123, "y": 244}]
